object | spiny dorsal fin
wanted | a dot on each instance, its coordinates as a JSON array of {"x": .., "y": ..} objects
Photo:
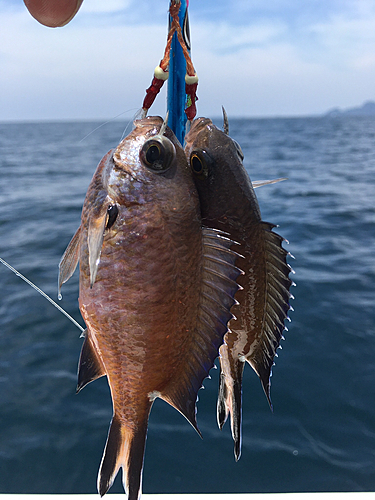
[
  {"x": 277, "y": 307},
  {"x": 90, "y": 366},
  {"x": 70, "y": 258},
  {"x": 225, "y": 121},
  {"x": 217, "y": 297}
]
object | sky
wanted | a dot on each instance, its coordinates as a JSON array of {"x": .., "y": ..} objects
[{"x": 257, "y": 58}]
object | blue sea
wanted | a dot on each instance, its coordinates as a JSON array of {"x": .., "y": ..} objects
[{"x": 321, "y": 435}]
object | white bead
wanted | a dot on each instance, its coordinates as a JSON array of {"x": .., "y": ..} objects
[{"x": 160, "y": 74}]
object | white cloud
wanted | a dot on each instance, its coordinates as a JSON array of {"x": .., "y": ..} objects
[
  {"x": 268, "y": 67},
  {"x": 345, "y": 38},
  {"x": 223, "y": 37},
  {"x": 74, "y": 72},
  {"x": 100, "y": 6},
  {"x": 288, "y": 71}
]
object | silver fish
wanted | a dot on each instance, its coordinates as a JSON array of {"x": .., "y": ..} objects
[{"x": 228, "y": 203}]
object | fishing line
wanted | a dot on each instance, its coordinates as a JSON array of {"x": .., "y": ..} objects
[
  {"x": 105, "y": 123},
  {"x": 137, "y": 116},
  {"x": 17, "y": 273}
]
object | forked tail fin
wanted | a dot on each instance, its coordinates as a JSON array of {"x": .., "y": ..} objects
[{"x": 125, "y": 448}]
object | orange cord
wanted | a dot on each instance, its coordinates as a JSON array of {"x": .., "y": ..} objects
[{"x": 157, "y": 83}]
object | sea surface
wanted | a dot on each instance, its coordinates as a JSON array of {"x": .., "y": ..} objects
[{"x": 321, "y": 435}]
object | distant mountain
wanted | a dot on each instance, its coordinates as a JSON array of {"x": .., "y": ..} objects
[{"x": 367, "y": 109}]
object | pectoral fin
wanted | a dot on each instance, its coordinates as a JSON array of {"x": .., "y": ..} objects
[
  {"x": 69, "y": 260},
  {"x": 95, "y": 241},
  {"x": 217, "y": 297}
]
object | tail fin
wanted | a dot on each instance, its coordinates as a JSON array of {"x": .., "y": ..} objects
[
  {"x": 230, "y": 397},
  {"x": 125, "y": 448}
]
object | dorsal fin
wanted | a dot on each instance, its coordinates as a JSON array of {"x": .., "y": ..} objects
[
  {"x": 277, "y": 307},
  {"x": 70, "y": 258},
  {"x": 90, "y": 366},
  {"x": 225, "y": 121},
  {"x": 217, "y": 297}
]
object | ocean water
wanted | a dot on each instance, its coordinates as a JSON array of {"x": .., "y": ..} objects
[{"x": 321, "y": 435}]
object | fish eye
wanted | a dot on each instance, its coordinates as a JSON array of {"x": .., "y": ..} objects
[
  {"x": 199, "y": 163},
  {"x": 153, "y": 154},
  {"x": 196, "y": 164},
  {"x": 157, "y": 154}
]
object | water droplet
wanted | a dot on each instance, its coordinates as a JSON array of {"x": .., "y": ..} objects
[{"x": 59, "y": 296}]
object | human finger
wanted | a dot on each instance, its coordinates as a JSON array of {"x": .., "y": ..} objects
[{"x": 53, "y": 13}]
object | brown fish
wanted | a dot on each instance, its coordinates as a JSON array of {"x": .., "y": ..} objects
[
  {"x": 228, "y": 203},
  {"x": 155, "y": 290}
]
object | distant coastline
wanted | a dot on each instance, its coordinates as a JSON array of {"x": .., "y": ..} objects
[{"x": 367, "y": 109}]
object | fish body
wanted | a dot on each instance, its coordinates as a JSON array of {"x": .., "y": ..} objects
[
  {"x": 149, "y": 276},
  {"x": 228, "y": 203}
]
